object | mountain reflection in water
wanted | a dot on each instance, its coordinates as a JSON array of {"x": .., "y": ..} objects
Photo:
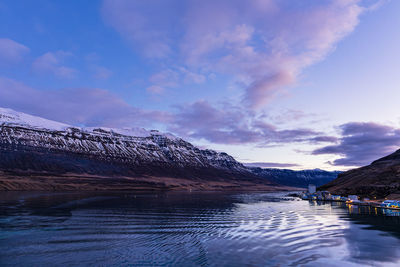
[{"x": 192, "y": 229}]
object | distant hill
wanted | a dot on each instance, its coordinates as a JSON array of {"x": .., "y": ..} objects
[
  {"x": 296, "y": 178},
  {"x": 380, "y": 179}
]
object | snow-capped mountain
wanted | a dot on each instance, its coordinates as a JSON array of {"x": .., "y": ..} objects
[
  {"x": 31, "y": 145},
  {"x": 133, "y": 145}
]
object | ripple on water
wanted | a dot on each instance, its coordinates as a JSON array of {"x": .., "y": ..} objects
[{"x": 233, "y": 230}]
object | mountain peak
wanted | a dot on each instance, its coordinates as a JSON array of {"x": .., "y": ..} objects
[{"x": 11, "y": 117}]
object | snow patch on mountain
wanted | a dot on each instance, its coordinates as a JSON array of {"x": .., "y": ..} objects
[
  {"x": 131, "y": 146},
  {"x": 11, "y": 117}
]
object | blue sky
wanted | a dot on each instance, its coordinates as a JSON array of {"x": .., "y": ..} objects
[{"x": 308, "y": 85}]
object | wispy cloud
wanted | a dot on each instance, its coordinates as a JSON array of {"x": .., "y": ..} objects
[
  {"x": 271, "y": 165},
  {"x": 361, "y": 143},
  {"x": 76, "y": 106},
  {"x": 234, "y": 125},
  {"x": 100, "y": 72},
  {"x": 11, "y": 51},
  {"x": 172, "y": 78},
  {"x": 267, "y": 43},
  {"x": 155, "y": 90},
  {"x": 53, "y": 62},
  {"x": 165, "y": 78}
]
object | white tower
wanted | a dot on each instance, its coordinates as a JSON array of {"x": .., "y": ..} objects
[{"x": 311, "y": 189}]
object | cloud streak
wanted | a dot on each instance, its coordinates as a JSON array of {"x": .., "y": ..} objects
[
  {"x": 361, "y": 143},
  {"x": 53, "y": 62},
  {"x": 233, "y": 125},
  {"x": 100, "y": 72},
  {"x": 270, "y": 165}
]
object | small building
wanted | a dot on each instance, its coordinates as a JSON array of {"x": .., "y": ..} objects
[
  {"x": 352, "y": 197},
  {"x": 312, "y": 189},
  {"x": 326, "y": 195},
  {"x": 390, "y": 204},
  {"x": 387, "y": 203}
]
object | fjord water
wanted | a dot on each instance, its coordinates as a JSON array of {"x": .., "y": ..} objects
[{"x": 191, "y": 229}]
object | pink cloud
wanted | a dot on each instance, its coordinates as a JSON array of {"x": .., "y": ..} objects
[
  {"x": 266, "y": 43},
  {"x": 11, "y": 51}
]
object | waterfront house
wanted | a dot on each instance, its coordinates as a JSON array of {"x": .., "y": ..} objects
[
  {"x": 390, "y": 204},
  {"x": 352, "y": 197},
  {"x": 326, "y": 195}
]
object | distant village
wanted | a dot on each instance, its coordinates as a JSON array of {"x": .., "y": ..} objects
[{"x": 313, "y": 194}]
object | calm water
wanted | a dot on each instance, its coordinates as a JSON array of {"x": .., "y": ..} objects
[{"x": 191, "y": 229}]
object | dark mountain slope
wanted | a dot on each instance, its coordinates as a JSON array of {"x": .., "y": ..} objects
[
  {"x": 380, "y": 179},
  {"x": 296, "y": 178},
  {"x": 40, "y": 154}
]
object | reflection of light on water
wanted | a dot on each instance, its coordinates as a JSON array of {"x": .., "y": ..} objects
[
  {"x": 361, "y": 240},
  {"x": 374, "y": 247},
  {"x": 389, "y": 212},
  {"x": 353, "y": 209},
  {"x": 356, "y": 209},
  {"x": 371, "y": 248},
  {"x": 292, "y": 232},
  {"x": 241, "y": 230}
]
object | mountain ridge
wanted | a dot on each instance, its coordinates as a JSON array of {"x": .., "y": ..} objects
[
  {"x": 299, "y": 178},
  {"x": 33, "y": 148}
]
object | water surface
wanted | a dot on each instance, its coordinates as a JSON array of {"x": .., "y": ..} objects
[{"x": 191, "y": 229}]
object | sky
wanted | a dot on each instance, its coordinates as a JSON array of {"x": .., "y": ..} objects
[{"x": 275, "y": 83}]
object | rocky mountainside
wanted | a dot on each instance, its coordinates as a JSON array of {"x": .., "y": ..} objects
[
  {"x": 296, "y": 178},
  {"x": 380, "y": 179},
  {"x": 36, "y": 153}
]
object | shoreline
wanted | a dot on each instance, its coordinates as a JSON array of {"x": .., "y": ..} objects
[
  {"x": 376, "y": 203},
  {"x": 96, "y": 183}
]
